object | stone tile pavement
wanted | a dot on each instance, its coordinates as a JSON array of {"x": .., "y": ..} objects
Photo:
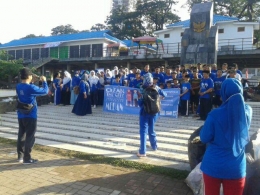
[{"x": 56, "y": 174}]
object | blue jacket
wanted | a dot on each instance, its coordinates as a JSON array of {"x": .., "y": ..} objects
[
  {"x": 27, "y": 94},
  {"x": 226, "y": 133}
]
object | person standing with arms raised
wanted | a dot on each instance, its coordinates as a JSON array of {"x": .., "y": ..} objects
[{"x": 27, "y": 119}]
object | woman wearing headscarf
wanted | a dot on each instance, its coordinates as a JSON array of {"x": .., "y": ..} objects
[
  {"x": 82, "y": 105},
  {"x": 93, "y": 81},
  {"x": 101, "y": 84},
  {"x": 226, "y": 133},
  {"x": 65, "y": 91},
  {"x": 74, "y": 83},
  {"x": 57, "y": 89},
  {"x": 147, "y": 121},
  {"x": 108, "y": 77}
]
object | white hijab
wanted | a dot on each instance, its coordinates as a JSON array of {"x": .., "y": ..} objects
[
  {"x": 67, "y": 77},
  {"x": 93, "y": 79}
]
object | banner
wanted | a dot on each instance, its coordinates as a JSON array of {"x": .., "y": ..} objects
[
  {"x": 169, "y": 105},
  {"x": 124, "y": 100}
]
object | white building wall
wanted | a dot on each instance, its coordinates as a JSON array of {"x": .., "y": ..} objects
[
  {"x": 230, "y": 39},
  {"x": 173, "y": 43}
]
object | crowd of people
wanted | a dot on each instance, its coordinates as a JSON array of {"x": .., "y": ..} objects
[
  {"x": 225, "y": 130},
  {"x": 199, "y": 85}
]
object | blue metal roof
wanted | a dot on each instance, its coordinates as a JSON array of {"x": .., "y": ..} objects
[
  {"x": 216, "y": 18},
  {"x": 61, "y": 38}
]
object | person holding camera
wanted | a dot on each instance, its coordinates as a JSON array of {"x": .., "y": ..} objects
[{"x": 27, "y": 114}]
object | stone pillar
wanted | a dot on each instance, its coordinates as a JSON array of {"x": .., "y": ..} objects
[
  {"x": 96, "y": 66},
  {"x": 68, "y": 68},
  {"x": 166, "y": 63},
  {"x": 43, "y": 70},
  {"x": 128, "y": 65}
]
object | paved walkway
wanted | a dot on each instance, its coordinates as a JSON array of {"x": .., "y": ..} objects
[{"x": 55, "y": 174}]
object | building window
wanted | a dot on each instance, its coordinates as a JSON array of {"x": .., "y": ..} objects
[
  {"x": 240, "y": 29},
  {"x": 84, "y": 51},
  {"x": 166, "y": 35},
  {"x": 97, "y": 50},
  {"x": 221, "y": 30},
  {"x": 182, "y": 33}
]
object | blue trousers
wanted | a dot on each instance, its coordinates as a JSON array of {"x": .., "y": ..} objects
[
  {"x": 73, "y": 97},
  {"x": 57, "y": 96},
  {"x": 147, "y": 126}
]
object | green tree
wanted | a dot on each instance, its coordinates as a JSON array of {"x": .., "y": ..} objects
[
  {"x": 60, "y": 30},
  {"x": 247, "y": 10},
  {"x": 98, "y": 27},
  {"x": 9, "y": 70},
  {"x": 31, "y": 36},
  {"x": 156, "y": 13},
  {"x": 125, "y": 25}
]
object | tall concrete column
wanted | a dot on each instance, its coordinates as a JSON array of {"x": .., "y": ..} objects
[
  {"x": 166, "y": 63},
  {"x": 128, "y": 65},
  {"x": 43, "y": 70},
  {"x": 68, "y": 68},
  {"x": 96, "y": 66}
]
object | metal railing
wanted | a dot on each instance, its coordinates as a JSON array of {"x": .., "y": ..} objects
[
  {"x": 145, "y": 51},
  {"x": 236, "y": 44}
]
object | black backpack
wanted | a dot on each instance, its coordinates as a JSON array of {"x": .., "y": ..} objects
[{"x": 151, "y": 100}]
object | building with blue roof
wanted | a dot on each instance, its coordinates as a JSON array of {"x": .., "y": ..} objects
[{"x": 232, "y": 34}]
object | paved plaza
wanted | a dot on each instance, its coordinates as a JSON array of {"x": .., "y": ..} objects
[{"x": 55, "y": 174}]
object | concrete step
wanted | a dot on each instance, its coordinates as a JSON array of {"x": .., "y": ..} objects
[
  {"x": 97, "y": 124},
  {"x": 174, "y": 145},
  {"x": 103, "y": 145},
  {"x": 107, "y": 153}
]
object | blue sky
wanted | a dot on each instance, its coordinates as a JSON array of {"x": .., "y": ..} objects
[{"x": 22, "y": 17}]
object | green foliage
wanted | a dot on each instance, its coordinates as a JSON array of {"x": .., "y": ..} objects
[
  {"x": 157, "y": 13},
  {"x": 247, "y": 10},
  {"x": 125, "y": 25},
  {"x": 9, "y": 69},
  {"x": 150, "y": 15},
  {"x": 31, "y": 36},
  {"x": 98, "y": 27},
  {"x": 60, "y": 30}
]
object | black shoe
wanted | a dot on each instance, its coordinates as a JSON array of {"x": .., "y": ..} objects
[{"x": 29, "y": 162}]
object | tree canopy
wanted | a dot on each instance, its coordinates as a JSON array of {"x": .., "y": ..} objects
[
  {"x": 8, "y": 69},
  {"x": 31, "y": 36},
  {"x": 157, "y": 13},
  {"x": 60, "y": 30},
  {"x": 247, "y": 10},
  {"x": 150, "y": 15},
  {"x": 125, "y": 25},
  {"x": 98, "y": 27}
]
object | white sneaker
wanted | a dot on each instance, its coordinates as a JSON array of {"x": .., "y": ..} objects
[{"x": 94, "y": 106}]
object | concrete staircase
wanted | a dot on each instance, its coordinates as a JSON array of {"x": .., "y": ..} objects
[{"x": 112, "y": 135}]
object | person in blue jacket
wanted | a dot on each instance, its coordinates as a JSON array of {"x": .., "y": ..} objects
[
  {"x": 75, "y": 82},
  {"x": 27, "y": 93},
  {"x": 226, "y": 133},
  {"x": 82, "y": 105},
  {"x": 117, "y": 81},
  {"x": 206, "y": 88},
  {"x": 185, "y": 96},
  {"x": 65, "y": 91},
  {"x": 147, "y": 121},
  {"x": 217, "y": 87},
  {"x": 57, "y": 89}
]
